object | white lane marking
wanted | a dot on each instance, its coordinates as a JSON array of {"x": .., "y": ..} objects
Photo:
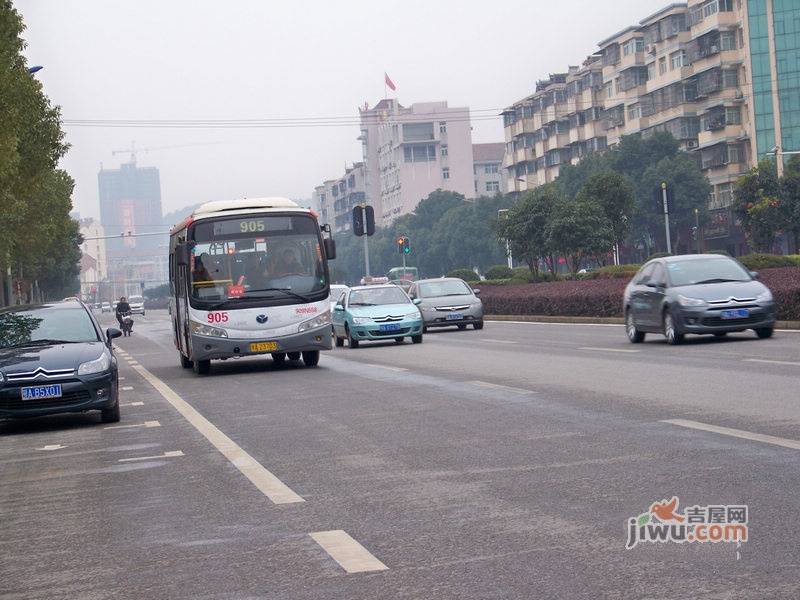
[
  {"x": 497, "y": 386},
  {"x": 499, "y": 341},
  {"x": 127, "y": 388},
  {"x": 772, "y": 362},
  {"x": 121, "y": 378},
  {"x": 146, "y": 424},
  {"x": 598, "y": 349},
  {"x": 168, "y": 454},
  {"x": 557, "y": 323},
  {"x": 133, "y": 363},
  {"x": 269, "y": 485},
  {"x": 132, "y": 404},
  {"x": 350, "y": 555},
  {"x": 51, "y": 447},
  {"x": 745, "y": 435},
  {"x": 397, "y": 369}
]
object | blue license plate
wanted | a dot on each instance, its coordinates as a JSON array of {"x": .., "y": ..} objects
[
  {"x": 454, "y": 317},
  {"x": 41, "y": 392},
  {"x": 390, "y": 327},
  {"x": 739, "y": 313}
]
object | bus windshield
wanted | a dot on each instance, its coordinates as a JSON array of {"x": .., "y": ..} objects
[{"x": 258, "y": 256}]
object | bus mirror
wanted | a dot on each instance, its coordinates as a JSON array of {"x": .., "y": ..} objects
[
  {"x": 182, "y": 255},
  {"x": 330, "y": 248}
]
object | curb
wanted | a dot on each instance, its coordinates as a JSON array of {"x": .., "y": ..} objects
[{"x": 596, "y": 320}]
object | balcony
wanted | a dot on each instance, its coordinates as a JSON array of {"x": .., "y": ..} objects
[{"x": 721, "y": 132}]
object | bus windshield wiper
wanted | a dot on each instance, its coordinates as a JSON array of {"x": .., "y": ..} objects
[{"x": 286, "y": 291}]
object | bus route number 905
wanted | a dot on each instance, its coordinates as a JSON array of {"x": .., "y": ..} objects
[
  {"x": 251, "y": 226},
  {"x": 217, "y": 317}
]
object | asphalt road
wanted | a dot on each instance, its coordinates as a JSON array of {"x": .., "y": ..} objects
[{"x": 501, "y": 463}]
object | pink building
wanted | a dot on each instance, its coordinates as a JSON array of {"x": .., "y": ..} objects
[{"x": 412, "y": 151}]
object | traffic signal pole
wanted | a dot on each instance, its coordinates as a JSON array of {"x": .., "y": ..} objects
[
  {"x": 366, "y": 245},
  {"x": 666, "y": 215}
]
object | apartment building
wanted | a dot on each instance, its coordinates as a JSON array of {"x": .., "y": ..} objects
[
  {"x": 335, "y": 198},
  {"x": 412, "y": 151},
  {"x": 487, "y": 167},
  {"x": 722, "y": 76}
]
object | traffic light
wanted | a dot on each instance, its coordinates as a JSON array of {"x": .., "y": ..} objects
[
  {"x": 370, "y": 220},
  {"x": 403, "y": 245},
  {"x": 359, "y": 226}
]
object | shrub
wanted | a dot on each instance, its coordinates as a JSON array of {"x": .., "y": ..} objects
[
  {"x": 613, "y": 272},
  {"x": 756, "y": 262},
  {"x": 499, "y": 272},
  {"x": 658, "y": 255},
  {"x": 784, "y": 283},
  {"x": 465, "y": 274},
  {"x": 522, "y": 273}
]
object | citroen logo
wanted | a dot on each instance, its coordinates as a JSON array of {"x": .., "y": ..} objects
[{"x": 262, "y": 318}]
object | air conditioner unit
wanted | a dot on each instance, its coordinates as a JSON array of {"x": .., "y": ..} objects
[
  {"x": 650, "y": 49},
  {"x": 691, "y": 144}
]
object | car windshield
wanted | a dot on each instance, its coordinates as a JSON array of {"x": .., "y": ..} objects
[
  {"x": 376, "y": 296},
  {"x": 25, "y": 327},
  {"x": 713, "y": 270},
  {"x": 450, "y": 287}
]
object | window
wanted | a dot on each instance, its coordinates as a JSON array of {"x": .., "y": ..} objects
[
  {"x": 651, "y": 70},
  {"x": 476, "y": 187},
  {"x": 490, "y": 169},
  {"x": 492, "y": 186},
  {"x": 662, "y": 65},
  {"x": 417, "y": 132},
  {"x": 725, "y": 194},
  {"x": 610, "y": 90},
  {"x": 351, "y": 181},
  {"x": 735, "y": 154},
  {"x": 446, "y": 173},
  {"x": 444, "y": 149},
  {"x": 632, "y": 46},
  {"x": 644, "y": 274},
  {"x": 727, "y": 40},
  {"x": 733, "y": 115},
  {"x": 442, "y": 126},
  {"x": 634, "y": 112},
  {"x": 658, "y": 277},
  {"x": 730, "y": 78},
  {"x": 710, "y": 8},
  {"x": 726, "y": 5},
  {"x": 419, "y": 152},
  {"x": 677, "y": 60}
]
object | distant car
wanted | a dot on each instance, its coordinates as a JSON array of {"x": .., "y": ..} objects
[
  {"x": 336, "y": 293},
  {"x": 696, "y": 293},
  {"x": 137, "y": 305},
  {"x": 54, "y": 358},
  {"x": 448, "y": 302},
  {"x": 376, "y": 312},
  {"x": 105, "y": 307}
]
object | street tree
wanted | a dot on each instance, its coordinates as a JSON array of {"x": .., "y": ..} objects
[
  {"x": 579, "y": 229},
  {"x": 615, "y": 195},
  {"x": 757, "y": 205}
]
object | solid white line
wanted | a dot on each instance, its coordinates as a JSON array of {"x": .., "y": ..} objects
[
  {"x": 772, "y": 362},
  {"x": 609, "y": 349},
  {"x": 52, "y": 447},
  {"x": 745, "y": 435},
  {"x": 168, "y": 454},
  {"x": 556, "y": 323},
  {"x": 146, "y": 424},
  {"x": 499, "y": 341},
  {"x": 269, "y": 485},
  {"x": 350, "y": 555},
  {"x": 497, "y": 386},
  {"x": 131, "y": 403},
  {"x": 127, "y": 388},
  {"x": 133, "y": 363},
  {"x": 397, "y": 369}
]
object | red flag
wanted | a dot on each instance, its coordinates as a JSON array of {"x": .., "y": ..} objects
[{"x": 389, "y": 83}]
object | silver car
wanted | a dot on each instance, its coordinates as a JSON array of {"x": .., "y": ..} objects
[{"x": 448, "y": 302}]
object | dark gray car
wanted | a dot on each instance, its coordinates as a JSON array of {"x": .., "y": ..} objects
[
  {"x": 448, "y": 301},
  {"x": 696, "y": 293}
]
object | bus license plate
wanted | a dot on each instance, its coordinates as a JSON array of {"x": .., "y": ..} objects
[
  {"x": 263, "y": 346},
  {"x": 41, "y": 392}
]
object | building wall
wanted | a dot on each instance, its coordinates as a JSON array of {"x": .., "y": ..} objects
[{"x": 96, "y": 248}]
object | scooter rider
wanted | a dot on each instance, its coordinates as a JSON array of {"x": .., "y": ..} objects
[{"x": 122, "y": 308}]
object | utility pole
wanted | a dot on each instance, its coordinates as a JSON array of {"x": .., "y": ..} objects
[
  {"x": 666, "y": 215},
  {"x": 503, "y": 214},
  {"x": 366, "y": 245},
  {"x": 697, "y": 230}
]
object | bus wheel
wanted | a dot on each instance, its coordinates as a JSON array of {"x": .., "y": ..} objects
[
  {"x": 294, "y": 355},
  {"x": 279, "y": 357},
  {"x": 185, "y": 362},
  {"x": 311, "y": 358},
  {"x": 202, "y": 367}
]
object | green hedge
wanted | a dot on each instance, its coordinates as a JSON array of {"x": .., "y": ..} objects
[
  {"x": 769, "y": 261},
  {"x": 465, "y": 274},
  {"x": 499, "y": 272}
]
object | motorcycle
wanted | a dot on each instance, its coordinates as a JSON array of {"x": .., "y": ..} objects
[{"x": 127, "y": 323}]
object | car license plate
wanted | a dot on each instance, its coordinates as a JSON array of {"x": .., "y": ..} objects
[
  {"x": 263, "y": 346},
  {"x": 454, "y": 317},
  {"x": 739, "y": 313},
  {"x": 41, "y": 392},
  {"x": 390, "y": 327}
]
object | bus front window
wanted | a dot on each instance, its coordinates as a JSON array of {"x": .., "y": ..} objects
[{"x": 256, "y": 257}]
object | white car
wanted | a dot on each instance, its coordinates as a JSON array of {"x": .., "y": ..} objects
[{"x": 137, "y": 305}]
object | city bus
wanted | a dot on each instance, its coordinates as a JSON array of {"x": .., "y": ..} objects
[{"x": 250, "y": 277}]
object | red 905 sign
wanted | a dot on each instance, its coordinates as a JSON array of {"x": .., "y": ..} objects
[{"x": 218, "y": 317}]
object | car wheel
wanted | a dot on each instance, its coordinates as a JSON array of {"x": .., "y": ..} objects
[
  {"x": 462, "y": 326},
  {"x": 185, "y": 362},
  {"x": 764, "y": 332},
  {"x": 202, "y": 367},
  {"x": 110, "y": 415},
  {"x": 339, "y": 342},
  {"x": 398, "y": 340},
  {"x": 634, "y": 335},
  {"x": 424, "y": 329},
  {"x": 279, "y": 357},
  {"x": 417, "y": 339},
  {"x": 311, "y": 358},
  {"x": 352, "y": 343},
  {"x": 293, "y": 355},
  {"x": 478, "y": 325},
  {"x": 670, "y": 332}
]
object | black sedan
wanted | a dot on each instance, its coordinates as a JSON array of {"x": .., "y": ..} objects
[
  {"x": 696, "y": 293},
  {"x": 54, "y": 358}
]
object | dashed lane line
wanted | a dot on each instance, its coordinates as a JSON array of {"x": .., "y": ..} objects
[
  {"x": 738, "y": 433},
  {"x": 146, "y": 424},
  {"x": 269, "y": 485},
  {"x": 168, "y": 454},
  {"x": 131, "y": 403},
  {"x": 497, "y": 386},
  {"x": 772, "y": 362},
  {"x": 346, "y": 551},
  {"x": 387, "y": 367},
  {"x": 599, "y": 349},
  {"x": 126, "y": 388},
  {"x": 498, "y": 341}
]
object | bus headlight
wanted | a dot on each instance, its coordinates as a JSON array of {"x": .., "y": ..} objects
[
  {"x": 203, "y": 329},
  {"x": 320, "y": 320}
]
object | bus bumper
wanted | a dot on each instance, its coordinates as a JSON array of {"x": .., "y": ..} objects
[{"x": 210, "y": 348}]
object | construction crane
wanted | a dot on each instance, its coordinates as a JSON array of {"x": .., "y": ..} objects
[{"x": 133, "y": 150}]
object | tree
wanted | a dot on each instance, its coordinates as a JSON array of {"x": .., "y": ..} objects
[
  {"x": 757, "y": 205},
  {"x": 615, "y": 195},
  {"x": 579, "y": 229},
  {"x": 790, "y": 199}
]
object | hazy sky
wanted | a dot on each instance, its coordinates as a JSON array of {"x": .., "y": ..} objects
[{"x": 260, "y": 59}]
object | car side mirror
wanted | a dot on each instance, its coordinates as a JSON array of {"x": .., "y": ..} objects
[
  {"x": 112, "y": 333},
  {"x": 476, "y": 292},
  {"x": 754, "y": 274},
  {"x": 417, "y": 301},
  {"x": 338, "y": 307},
  {"x": 330, "y": 248}
]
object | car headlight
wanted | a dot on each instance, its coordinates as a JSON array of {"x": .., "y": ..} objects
[
  {"x": 318, "y": 321},
  {"x": 203, "y": 329},
  {"x": 686, "y": 301},
  {"x": 765, "y": 296},
  {"x": 361, "y": 320},
  {"x": 413, "y": 315},
  {"x": 95, "y": 366}
]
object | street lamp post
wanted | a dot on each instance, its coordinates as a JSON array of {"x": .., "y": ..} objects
[{"x": 503, "y": 214}]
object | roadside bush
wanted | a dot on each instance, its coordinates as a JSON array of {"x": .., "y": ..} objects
[
  {"x": 658, "y": 255},
  {"x": 465, "y": 274},
  {"x": 523, "y": 273},
  {"x": 755, "y": 262},
  {"x": 613, "y": 272},
  {"x": 784, "y": 283},
  {"x": 499, "y": 272}
]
